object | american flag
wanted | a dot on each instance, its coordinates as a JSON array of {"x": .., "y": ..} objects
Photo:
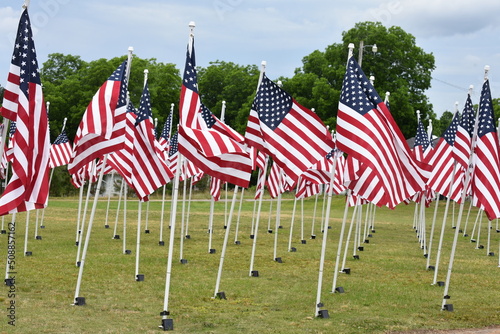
[
  {"x": 294, "y": 136},
  {"x": 215, "y": 185},
  {"x": 261, "y": 162},
  {"x": 306, "y": 188},
  {"x": 486, "y": 177},
  {"x": 215, "y": 153},
  {"x": 442, "y": 160},
  {"x": 122, "y": 160},
  {"x": 363, "y": 182},
  {"x": 60, "y": 151},
  {"x": 150, "y": 171},
  {"x": 367, "y": 131},
  {"x": 422, "y": 144},
  {"x": 165, "y": 133},
  {"x": 212, "y": 122},
  {"x": 463, "y": 140},
  {"x": 23, "y": 103},
  {"x": 276, "y": 181},
  {"x": 102, "y": 129},
  {"x": 9, "y": 152}
]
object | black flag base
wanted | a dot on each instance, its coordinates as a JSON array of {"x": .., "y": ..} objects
[
  {"x": 255, "y": 273},
  {"x": 303, "y": 242},
  {"x": 313, "y": 236},
  {"x": 127, "y": 252},
  {"x": 293, "y": 249},
  {"x": 221, "y": 295},
  {"x": 117, "y": 237},
  {"x": 491, "y": 254},
  {"x": 237, "y": 242},
  {"x": 480, "y": 247},
  {"x": 339, "y": 289},
  {"x": 426, "y": 255},
  {"x": 269, "y": 231},
  {"x": 370, "y": 235},
  {"x": 373, "y": 231},
  {"x": 346, "y": 271},
  {"x": 361, "y": 248},
  {"x": 139, "y": 277},
  {"x": 76, "y": 243},
  {"x": 278, "y": 259},
  {"x": 10, "y": 281},
  {"x": 28, "y": 253},
  {"x": 3, "y": 232},
  {"x": 211, "y": 251},
  {"x": 465, "y": 235},
  {"x": 440, "y": 283},
  {"x": 166, "y": 324},
  {"x": 448, "y": 307},
  {"x": 498, "y": 231},
  {"x": 146, "y": 231},
  {"x": 252, "y": 236},
  {"x": 78, "y": 263},
  {"x": 472, "y": 240},
  {"x": 42, "y": 226},
  {"x": 323, "y": 314},
  {"x": 188, "y": 236},
  {"x": 431, "y": 268},
  {"x": 38, "y": 237},
  {"x": 161, "y": 243},
  {"x": 106, "y": 226},
  {"x": 184, "y": 261},
  {"x": 356, "y": 257},
  {"x": 79, "y": 301},
  {"x": 367, "y": 241}
]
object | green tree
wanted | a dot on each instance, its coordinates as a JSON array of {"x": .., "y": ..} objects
[
  {"x": 399, "y": 67},
  {"x": 235, "y": 84}
]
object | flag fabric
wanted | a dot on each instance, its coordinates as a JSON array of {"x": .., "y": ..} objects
[
  {"x": 102, "y": 129},
  {"x": 23, "y": 103},
  {"x": 306, "y": 188},
  {"x": 214, "y": 123},
  {"x": 463, "y": 140},
  {"x": 165, "y": 133},
  {"x": 486, "y": 177},
  {"x": 294, "y": 136},
  {"x": 261, "y": 163},
  {"x": 422, "y": 144},
  {"x": 442, "y": 160},
  {"x": 275, "y": 181},
  {"x": 150, "y": 171},
  {"x": 60, "y": 151},
  {"x": 367, "y": 131},
  {"x": 122, "y": 160},
  {"x": 213, "y": 152},
  {"x": 215, "y": 185},
  {"x": 9, "y": 152}
]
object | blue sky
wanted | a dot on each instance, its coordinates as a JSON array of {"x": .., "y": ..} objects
[{"x": 462, "y": 35}]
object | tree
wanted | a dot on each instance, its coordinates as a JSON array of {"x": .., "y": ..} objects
[
  {"x": 399, "y": 67},
  {"x": 235, "y": 84}
]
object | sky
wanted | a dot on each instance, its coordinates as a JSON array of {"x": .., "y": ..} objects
[{"x": 462, "y": 35}]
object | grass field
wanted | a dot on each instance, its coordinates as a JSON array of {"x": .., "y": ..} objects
[{"x": 389, "y": 288}]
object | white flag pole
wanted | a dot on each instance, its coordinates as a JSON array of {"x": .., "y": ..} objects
[
  {"x": 116, "y": 236},
  {"x": 82, "y": 223},
  {"x": 444, "y": 305},
  {"x": 290, "y": 248},
  {"x": 183, "y": 218},
  {"x": 253, "y": 272},
  {"x": 336, "y": 271},
  {"x": 218, "y": 293},
  {"x": 162, "y": 215},
  {"x": 78, "y": 221},
  {"x": 431, "y": 236},
  {"x": 186, "y": 235},
  {"x": 278, "y": 219},
  {"x": 211, "y": 224},
  {"x": 138, "y": 277},
  {"x": 124, "y": 239},
  {"x": 106, "y": 225},
  {"x": 26, "y": 253},
  {"x": 313, "y": 236},
  {"x": 11, "y": 240},
  {"x": 236, "y": 230}
]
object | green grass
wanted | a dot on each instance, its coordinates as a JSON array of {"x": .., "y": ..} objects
[{"x": 389, "y": 288}]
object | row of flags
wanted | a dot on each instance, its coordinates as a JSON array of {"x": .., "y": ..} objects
[{"x": 372, "y": 158}]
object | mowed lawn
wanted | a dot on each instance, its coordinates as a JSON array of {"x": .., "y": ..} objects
[{"x": 388, "y": 289}]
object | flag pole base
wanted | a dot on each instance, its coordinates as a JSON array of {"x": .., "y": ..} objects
[
  {"x": 76, "y": 243},
  {"x": 38, "y": 237},
  {"x": 440, "y": 283},
  {"x": 269, "y": 231},
  {"x": 78, "y": 263},
  {"x": 184, "y": 261},
  {"x": 146, "y": 231},
  {"x": 293, "y": 249},
  {"x": 431, "y": 268},
  {"x": 252, "y": 236},
  {"x": 106, "y": 226},
  {"x": 278, "y": 259},
  {"x": 361, "y": 248},
  {"x": 211, "y": 251},
  {"x": 448, "y": 307},
  {"x": 426, "y": 255},
  {"x": 79, "y": 301},
  {"x": 161, "y": 243},
  {"x": 3, "y": 232},
  {"x": 280, "y": 226},
  {"x": 303, "y": 242},
  {"x": 237, "y": 242},
  {"x": 117, "y": 237},
  {"x": 166, "y": 324},
  {"x": 313, "y": 236},
  {"x": 9, "y": 281},
  {"x": 339, "y": 289},
  {"x": 491, "y": 254},
  {"x": 472, "y": 240},
  {"x": 225, "y": 227},
  {"x": 323, "y": 314},
  {"x": 127, "y": 252},
  {"x": 42, "y": 226},
  {"x": 188, "y": 236},
  {"x": 367, "y": 241},
  {"x": 356, "y": 257},
  {"x": 139, "y": 277},
  {"x": 28, "y": 254},
  {"x": 346, "y": 271},
  {"x": 221, "y": 295},
  {"x": 465, "y": 235},
  {"x": 480, "y": 247},
  {"x": 498, "y": 231},
  {"x": 373, "y": 231},
  {"x": 254, "y": 273}
]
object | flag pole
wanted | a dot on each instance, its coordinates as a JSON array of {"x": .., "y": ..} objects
[
  {"x": 10, "y": 281},
  {"x": 124, "y": 240},
  {"x": 336, "y": 288},
  {"x": 444, "y": 305},
  {"x": 218, "y": 293},
  {"x": 26, "y": 253},
  {"x": 82, "y": 223},
  {"x": 183, "y": 217},
  {"x": 252, "y": 272},
  {"x": 278, "y": 218},
  {"x": 78, "y": 230},
  {"x": 211, "y": 223},
  {"x": 186, "y": 235},
  {"x": 116, "y": 236},
  {"x": 319, "y": 304},
  {"x": 106, "y": 225},
  {"x": 290, "y": 248},
  {"x": 161, "y": 242},
  {"x": 138, "y": 277},
  {"x": 236, "y": 241}
]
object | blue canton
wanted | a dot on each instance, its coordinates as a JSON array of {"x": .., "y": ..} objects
[
  {"x": 271, "y": 103},
  {"x": 486, "y": 122}
]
